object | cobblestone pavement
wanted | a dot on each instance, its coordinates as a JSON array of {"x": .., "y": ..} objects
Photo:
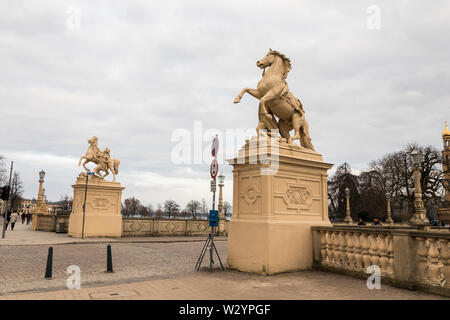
[
  {"x": 165, "y": 270},
  {"x": 22, "y": 268}
]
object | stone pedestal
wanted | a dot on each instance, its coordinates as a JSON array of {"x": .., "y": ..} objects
[
  {"x": 274, "y": 208},
  {"x": 103, "y": 202}
]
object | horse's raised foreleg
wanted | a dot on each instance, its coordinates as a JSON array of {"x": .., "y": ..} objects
[
  {"x": 254, "y": 92},
  {"x": 79, "y": 162}
]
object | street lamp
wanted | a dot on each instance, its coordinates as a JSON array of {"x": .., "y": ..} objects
[
  {"x": 419, "y": 217},
  {"x": 388, "y": 206},
  {"x": 41, "y": 175},
  {"x": 348, "y": 218},
  {"x": 221, "y": 179}
]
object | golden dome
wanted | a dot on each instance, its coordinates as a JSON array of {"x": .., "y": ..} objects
[{"x": 446, "y": 131}]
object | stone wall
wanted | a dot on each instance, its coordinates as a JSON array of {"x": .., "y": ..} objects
[
  {"x": 133, "y": 227},
  {"x": 406, "y": 257},
  {"x": 138, "y": 227},
  {"x": 44, "y": 222}
]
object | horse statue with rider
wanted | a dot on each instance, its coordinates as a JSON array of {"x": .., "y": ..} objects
[
  {"x": 275, "y": 99},
  {"x": 102, "y": 159}
]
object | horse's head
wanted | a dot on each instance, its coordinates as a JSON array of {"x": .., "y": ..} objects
[
  {"x": 267, "y": 61},
  {"x": 93, "y": 140},
  {"x": 271, "y": 57}
]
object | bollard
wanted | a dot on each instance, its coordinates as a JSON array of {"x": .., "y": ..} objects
[
  {"x": 48, "y": 269},
  {"x": 109, "y": 265}
]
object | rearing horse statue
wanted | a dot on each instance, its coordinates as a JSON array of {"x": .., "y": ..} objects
[{"x": 276, "y": 99}]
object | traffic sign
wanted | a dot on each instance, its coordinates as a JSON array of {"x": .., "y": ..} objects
[
  {"x": 213, "y": 185},
  {"x": 214, "y": 169},
  {"x": 215, "y": 146},
  {"x": 213, "y": 218}
]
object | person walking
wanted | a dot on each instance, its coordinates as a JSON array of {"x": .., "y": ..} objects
[
  {"x": 23, "y": 217},
  {"x": 7, "y": 217},
  {"x": 28, "y": 218},
  {"x": 14, "y": 217}
]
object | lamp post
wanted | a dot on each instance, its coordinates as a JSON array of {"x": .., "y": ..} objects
[
  {"x": 388, "y": 207},
  {"x": 41, "y": 190},
  {"x": 40, "y": 209},
  {"x": 221, "y": 179},
  {"x": 221, "y": 228},
  {"x": 419, "y": 217},
  {"x": 348, "y": 217}
]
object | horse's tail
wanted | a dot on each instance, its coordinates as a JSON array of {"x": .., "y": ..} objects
[{"x": 116, "y": 165}]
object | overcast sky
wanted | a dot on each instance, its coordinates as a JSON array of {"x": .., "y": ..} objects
[{"x": 132, "y": 72}]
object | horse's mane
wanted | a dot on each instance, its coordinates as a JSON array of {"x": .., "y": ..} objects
[{"x": 286, "y": 60}]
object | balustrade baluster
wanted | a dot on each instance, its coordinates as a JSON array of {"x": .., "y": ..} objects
[
  {"x": 357, "y": 250},
  {"x": 374, "y": 257},
  {"x": 329, "y": 239},
  {"x": 422, "y": 267},
  {"x": 343, "y": 249},
  {"x": 390, "y": 251},
  {"x": 382, "y": 249},
  {"x": 323, "y": 247},
  {"x": 350, "y": 251},
  {"x": 434, "y": 269},
  {"x": 365, "y": 250},
  {"x": 336, "y": 249}
]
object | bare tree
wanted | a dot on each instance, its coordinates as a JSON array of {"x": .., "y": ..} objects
[
  {"x": 398, "y": 179},
  {"x": 193, "y": 207},
  {"x": 342, "y": 179},
  {"x": 171, "y": 208},
  {"x": 3, "y": 171},
  {"x": 227, "y": 208},
  {"x": 16, "y": 191},
  {"x": 132, "y": 207},
  {"x": 391, "y": 174}
]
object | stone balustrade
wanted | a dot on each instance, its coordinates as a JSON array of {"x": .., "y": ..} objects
[
  {"x": 142, "y": 227},
  {"x": 407, "y": 257}
]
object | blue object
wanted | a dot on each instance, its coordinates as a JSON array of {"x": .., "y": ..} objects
[
  {"x": 213, "y": 218},
  {"x": 90, "y": 173}
]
